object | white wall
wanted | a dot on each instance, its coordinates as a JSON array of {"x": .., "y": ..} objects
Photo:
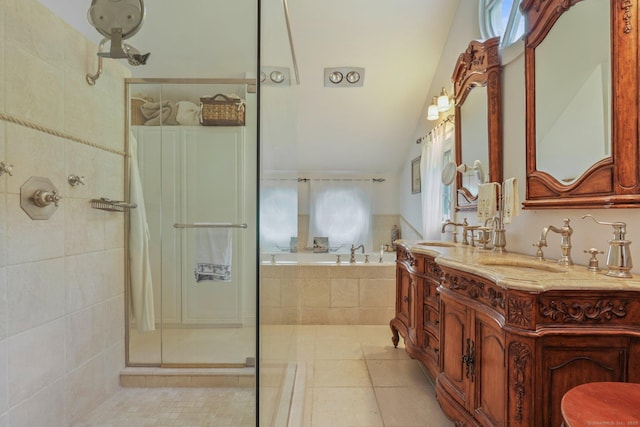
[
  {"x": 526, "y": 228},
  {"x": 463, "y": 29},
  {"x": 61, "y": 280}
]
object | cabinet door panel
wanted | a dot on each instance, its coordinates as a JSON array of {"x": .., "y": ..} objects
[
  {"x": 565, "y": 368},
  {"x": 402, "y": 297},
  {"x": 490, "y": 396},
  {"x": 456, "y": 325}
]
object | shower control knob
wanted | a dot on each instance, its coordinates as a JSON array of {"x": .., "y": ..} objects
[
  {"x": 44, "y": 198},
  {"x": 4, "y": 168},
  {"x": 76, "y": 180}
]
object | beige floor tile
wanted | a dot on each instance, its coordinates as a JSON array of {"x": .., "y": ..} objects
[
  {"x": 308, "y": 407},
  {"x": 338, "y": 349},
  {"x": 338, "y": 332},
  {"x": 388, "y": 352},
  {"x": 354, "y": 378},
  {"x": 345, "y": 407},
  {"x": 410, "y": 406},
  {"x": 396, "y": 373},
  {"x": 374, "y": 334},
  {"x": 196, "y": 407},
  {"x": 341, "y": 373}
]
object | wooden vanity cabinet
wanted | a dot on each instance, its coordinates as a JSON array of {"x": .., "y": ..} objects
[
  {"x": 417, "y": 317},
  {"x": 508, "y": 356},
  {"x": 473, "y": 363}
]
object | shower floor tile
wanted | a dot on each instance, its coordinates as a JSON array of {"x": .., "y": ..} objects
[{"x": 196, "y": 407}]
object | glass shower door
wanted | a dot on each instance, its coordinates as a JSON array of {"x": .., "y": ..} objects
[{"x": 198, "y": 184}]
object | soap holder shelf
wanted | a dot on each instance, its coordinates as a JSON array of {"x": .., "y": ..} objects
[{"x": 111, "y": 205}]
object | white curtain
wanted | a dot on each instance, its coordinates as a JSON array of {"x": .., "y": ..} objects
[
  {"x": 431, "y": 183},
  {"x": 278, "y": 214},
  {"x": 140, "y": 269},
  {"x": 341, "y": 211}
]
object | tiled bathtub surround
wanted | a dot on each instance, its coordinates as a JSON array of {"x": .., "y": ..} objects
[
  {"x": 61, "y": 280},
  {"x": 327, "y": 294}
]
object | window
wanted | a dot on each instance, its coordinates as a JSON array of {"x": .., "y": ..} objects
[
  {"x": 341, "y": 212},
  {"x": 278, "y": 214},
  {"x": 501, "y": 18}
]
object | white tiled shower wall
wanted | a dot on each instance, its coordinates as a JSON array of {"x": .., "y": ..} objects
[{"x": 61, "y": 280}]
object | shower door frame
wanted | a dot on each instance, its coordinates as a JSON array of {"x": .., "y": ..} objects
[{"x": 251, "y": 87}]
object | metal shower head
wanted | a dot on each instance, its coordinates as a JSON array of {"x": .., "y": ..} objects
[{"x": 117, "y": 20}]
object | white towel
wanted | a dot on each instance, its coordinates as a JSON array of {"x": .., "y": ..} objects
[
  {"x": 511, "y": 200},
  {"x": 213, "y": 254},
  {"x": 487, "y": 201},
  {"x": 141, "y": 286}
]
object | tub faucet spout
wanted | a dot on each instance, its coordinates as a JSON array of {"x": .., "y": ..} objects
[{"x": 352, "y": 259}]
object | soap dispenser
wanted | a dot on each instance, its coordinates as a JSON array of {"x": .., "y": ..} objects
[{"x": 619, "y": 255}]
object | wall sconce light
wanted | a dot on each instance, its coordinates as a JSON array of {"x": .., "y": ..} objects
[
  {"x": 343, "y": 77},
  {"x": 444, "y": 102},
  {"x": 275, "y": 76},
  {"x": 432, "y": 111}
]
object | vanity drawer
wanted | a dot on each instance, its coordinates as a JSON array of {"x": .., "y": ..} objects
[
  {"x": 431, "y": 319},
  {"x": 431, "y": 345}
]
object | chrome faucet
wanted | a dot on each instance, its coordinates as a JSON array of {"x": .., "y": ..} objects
[
  {"x": 455, "y": 224},
  {"x": 352, "y": 259},
  {"x": 565, "y": 242}
]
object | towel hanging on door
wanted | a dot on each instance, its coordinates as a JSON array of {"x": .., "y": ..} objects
[{"x": 213, "y": 254}]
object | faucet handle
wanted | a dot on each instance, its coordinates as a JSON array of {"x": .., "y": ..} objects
[
  {"x": 593, "y": 261},
  {"x": 539, "y": 253}
]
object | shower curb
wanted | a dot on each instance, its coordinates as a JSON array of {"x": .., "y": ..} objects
[{"x": 187, "y": 377}]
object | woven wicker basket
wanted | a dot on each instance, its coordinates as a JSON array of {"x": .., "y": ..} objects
[
  {"x": 221, "y": 110},
  {"x": 136, "y": 114}
]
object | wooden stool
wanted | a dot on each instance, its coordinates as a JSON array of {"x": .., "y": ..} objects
[{"x": 602, "y": 404}]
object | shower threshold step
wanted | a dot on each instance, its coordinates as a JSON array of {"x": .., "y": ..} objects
[{"x": 187, "y": 377}]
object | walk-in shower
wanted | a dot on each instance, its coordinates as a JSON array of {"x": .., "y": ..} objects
[{"x": 192, "y": 288}]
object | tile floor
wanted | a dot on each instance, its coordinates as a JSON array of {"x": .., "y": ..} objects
[{"x": 353, "y": 377}]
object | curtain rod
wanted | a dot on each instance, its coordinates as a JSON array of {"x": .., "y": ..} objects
[
  {"x": 325, "y": 179},
  {"x": 450, "y": 118},
  {"x": 340, "y": 179}
]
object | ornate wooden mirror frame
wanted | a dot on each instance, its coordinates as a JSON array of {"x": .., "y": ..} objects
[
  {"x": 613, "y": 182},
  {"x": 479, "y": 65}
]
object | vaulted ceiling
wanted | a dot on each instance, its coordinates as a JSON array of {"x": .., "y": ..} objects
[{"x": 359, "y": 130}]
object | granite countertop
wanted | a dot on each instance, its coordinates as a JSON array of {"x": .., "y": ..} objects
[{"x": 513, "y": 270}]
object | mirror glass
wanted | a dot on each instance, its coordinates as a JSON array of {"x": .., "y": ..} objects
[
  {"x": 573, "y": 92},
  {"x": 474, "y": 133}
]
